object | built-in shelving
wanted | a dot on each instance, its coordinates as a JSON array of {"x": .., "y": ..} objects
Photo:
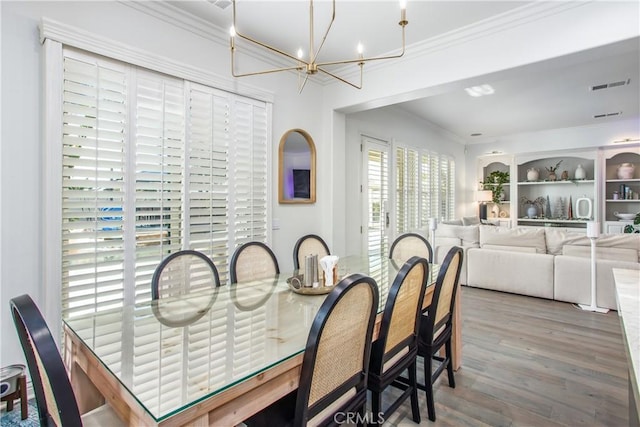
[
  {"x": 559, "y": 192},
  {"x": 613, "y": 157},
  {"x": 576, "y": 182}
]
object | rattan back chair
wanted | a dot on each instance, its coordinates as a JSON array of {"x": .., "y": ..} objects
[
  {"x": 253, "y": 261},
  {"x": 56, "y": 401},
  {"x": 396, "y": 349},
  {"x": 410, "y": 244},
  {"x": 336, "y": 359},
  {"x": 436, "y": 325},
  {"x": 310, "y": 244},
  {"x": 335, "y": 365}
]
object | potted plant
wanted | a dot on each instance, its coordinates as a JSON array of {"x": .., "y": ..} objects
[
  {"x": 633, "y": 228},
  {"x": 533, "y": 206},
  {"x": 495, "y": 182}
]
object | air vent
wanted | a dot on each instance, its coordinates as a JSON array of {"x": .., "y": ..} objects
[
  {"x": 609, "y": 85},
  {"x": 603, "y": 115}
]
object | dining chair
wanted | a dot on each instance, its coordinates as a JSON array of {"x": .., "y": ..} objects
[
  {"x": 56, "y": 401},
  {"x": 333, "y": 377},
  {"x": 253, "y": 261},
  {"x": 410, "y": 244},
  {"x": 306, "y": 245},
  {"x": 396, "y": 349},
  {"x": 183, "y": 272},
  {"x": 436, "y": 326}
]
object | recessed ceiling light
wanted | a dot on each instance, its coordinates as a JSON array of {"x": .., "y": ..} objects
[{"x": 481, "y": 90}]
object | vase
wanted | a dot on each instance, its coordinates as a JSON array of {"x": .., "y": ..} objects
[
  {"x": 625, "y": 171},
  {"x": 533, "y": 174},
  {"x": 552, "y": 176},
  {"x": 580, "y": 173},
  {"x": 532, "y": 211}
]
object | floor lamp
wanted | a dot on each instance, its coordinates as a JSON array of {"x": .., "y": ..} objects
[
  {"x": 593, "y": 232},
  {"x": 483, "y": 196}
]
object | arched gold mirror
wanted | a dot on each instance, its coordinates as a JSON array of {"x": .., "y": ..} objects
[{"x": 297, "y": 168}]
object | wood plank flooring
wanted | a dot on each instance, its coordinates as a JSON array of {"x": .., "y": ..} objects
[{"x": 530, "y": 362}]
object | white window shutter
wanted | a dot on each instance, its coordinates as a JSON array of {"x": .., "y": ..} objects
[
  {"x": 159, "y": 142},
  {"x": 94, "y": 115}
]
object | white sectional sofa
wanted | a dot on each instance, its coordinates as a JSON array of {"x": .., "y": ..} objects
[{"x": 542, "y": 262}]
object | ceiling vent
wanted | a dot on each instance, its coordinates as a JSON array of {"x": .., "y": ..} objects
[
  {"x": 610, "y": 85},
  {"x": 603, "y": 115}
]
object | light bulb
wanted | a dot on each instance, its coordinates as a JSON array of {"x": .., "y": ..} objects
[
  {"x": 232, "y": 31},
  {"x": 300, "y": 53},
  {"x": 403, "y": 4},
  {"x": 360, "y": 48}
]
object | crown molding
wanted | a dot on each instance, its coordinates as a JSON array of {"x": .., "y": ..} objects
[
  {"x": 86, "y": 40},
  {"x": 507, "y": 20}
]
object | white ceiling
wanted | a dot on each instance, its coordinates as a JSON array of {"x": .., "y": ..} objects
[{"x": 548, "y": 95}]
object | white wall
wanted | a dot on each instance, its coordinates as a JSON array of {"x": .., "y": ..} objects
[
  {"x": 539, "y": 31},
  {"x": 22, "y": 147},
  {"x": 395, "y": 126}
]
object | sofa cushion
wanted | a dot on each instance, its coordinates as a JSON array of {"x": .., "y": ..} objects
[
  {"x": 623, "y": 241},
  {"x": 449, "y": 241},
  {"x": 467, "y": 234},
  {"x": 470, "y": 220},
  {"x": 616, "y": 254},
  {"x": 525, "y": 249},
  {"x": 521, "y": 237},
  {"x": 452, "y": 222},
  {"x": 556, "y": 239}
]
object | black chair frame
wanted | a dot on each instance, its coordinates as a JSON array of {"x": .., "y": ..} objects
[
  {"x": 155, "y": 280},
  {"x": 359, "y": 381},
  {"x": 378, "y": 380},
  {"x": 419, "y": 236},
  {"x": 296, "y": 248},
  {"x": 34, "y": 333},
  {"x": 427, "y": 347},
  {"x": 234, "y": 259}
]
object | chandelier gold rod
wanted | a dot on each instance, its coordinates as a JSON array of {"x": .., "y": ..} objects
[
  {"x": 373, "y": 58},
  {"x": 326, "y": 33},
  {"x": 311, "y": 66},
  {"x": 342, "y": 79}
]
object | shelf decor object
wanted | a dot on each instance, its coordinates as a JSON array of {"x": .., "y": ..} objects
[
  {"x": 307, "y": 65},
  {"x": 593, "y": 232},
  {"x": 552, "y": 172},
  {"x": 483, "y": 196}
]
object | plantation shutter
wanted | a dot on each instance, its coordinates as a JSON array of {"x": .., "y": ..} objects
[
  {"x": 250, "y": 172},
  {"x": 151, "y": 165},
  {"x": 208, "y": 174},
  {"x": 407, "y": 195},
  {"x": 448, "y": 187},
  {"x": 93, "y": 163},
  {"x": 159, "y": 141},
  {"x": 377, "y": 197}
]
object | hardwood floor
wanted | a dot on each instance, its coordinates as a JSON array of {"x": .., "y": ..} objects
[{"x": 531, "y": 362}]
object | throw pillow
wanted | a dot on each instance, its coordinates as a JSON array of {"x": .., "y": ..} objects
[{"x": 470, "y": 220}]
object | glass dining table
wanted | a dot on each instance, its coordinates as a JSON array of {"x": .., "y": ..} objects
[{"x": 207, "y": 358}]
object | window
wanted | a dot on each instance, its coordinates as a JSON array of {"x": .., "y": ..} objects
[
  {"x": 152, "y": 164},
  {"x": 425, "y": 188}
]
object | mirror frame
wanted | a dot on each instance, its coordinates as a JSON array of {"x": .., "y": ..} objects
[{"x": 312, "y": 173}]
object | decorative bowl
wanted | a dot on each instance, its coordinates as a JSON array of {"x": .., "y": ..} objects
[{"x": 625, "y": 216}]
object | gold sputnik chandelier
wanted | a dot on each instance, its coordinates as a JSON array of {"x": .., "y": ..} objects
[{"x": 309, "y": 67}]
